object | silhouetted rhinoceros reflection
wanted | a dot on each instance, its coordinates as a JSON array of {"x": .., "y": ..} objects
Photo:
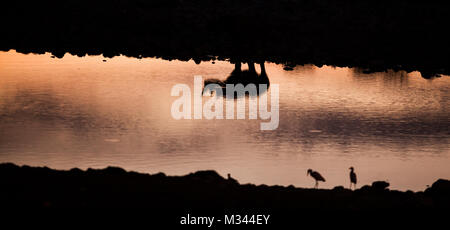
[{"x": 244, "y": 77}]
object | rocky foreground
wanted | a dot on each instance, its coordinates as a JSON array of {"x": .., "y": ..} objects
[
  {"x": 112, "y": 188},
  {"x": 99, "y": 197}
]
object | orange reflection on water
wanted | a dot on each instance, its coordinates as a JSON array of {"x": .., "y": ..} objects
[{"x": 83, "y": 112}]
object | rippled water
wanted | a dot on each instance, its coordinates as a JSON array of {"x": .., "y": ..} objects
[{"x": 83, "y": 112}]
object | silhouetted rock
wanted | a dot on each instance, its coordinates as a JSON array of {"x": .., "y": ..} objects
[
  {"x": 76, "y": 171},
  {"x": 440, "y": 193},
  {"x": 380, "y": 185},
  {"x": 339, "y": 188},
  {"x": 207, "y": 176},
  {"x": 365, "y": 188},
  {"x": 168, "y": 197},
  {"x": 114, "y": 170},
  {"x": 103, "y": 184},
  {"x": 440, "y": 187}
]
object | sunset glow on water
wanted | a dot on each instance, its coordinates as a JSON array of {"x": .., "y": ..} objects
[{"x": 83, "y": 112}]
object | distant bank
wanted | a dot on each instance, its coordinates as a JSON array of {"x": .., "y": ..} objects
[{"x": 373, "y": 35}]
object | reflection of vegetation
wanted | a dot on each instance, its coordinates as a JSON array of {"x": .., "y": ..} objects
[
  {"x": 428, "y": 74},
  {"x": 377, "y": 35},
  {"x": 425, "y": 73},
  {"x": 391, "y": 79}
]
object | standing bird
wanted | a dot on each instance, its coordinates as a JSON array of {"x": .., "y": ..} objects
[
  {"x": 231, "y": 179},
  {"x": 316, "y": 176},
  {"x": 352, "y": 178}
]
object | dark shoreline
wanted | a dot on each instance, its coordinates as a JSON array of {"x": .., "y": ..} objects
[
  {"x": 112, "y": 195},
  {"x": 42, "y": 187},
  {"x": 372, "y": 35}
]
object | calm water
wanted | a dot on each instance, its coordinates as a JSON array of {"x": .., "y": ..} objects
[{"x": 83, "y": 112}]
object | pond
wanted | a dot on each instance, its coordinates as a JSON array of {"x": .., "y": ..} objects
[{"x": 96, "y": 112}]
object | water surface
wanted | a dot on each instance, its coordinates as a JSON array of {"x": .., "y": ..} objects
[{"x": 84, "y": 112}]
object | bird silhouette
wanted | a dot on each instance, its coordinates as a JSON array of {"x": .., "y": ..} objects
[
  {"x": 353, "y": 179},
  {"x": 316, "y": 176},
  {"x": 231, "y": 179}
]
